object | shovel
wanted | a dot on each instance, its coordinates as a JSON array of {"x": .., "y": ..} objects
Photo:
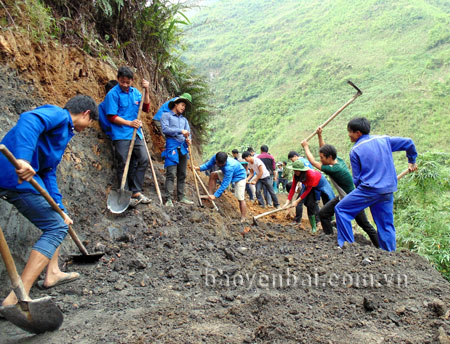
[
  {"x": 85, "y": 257},
  {"x": 269, "y": 213},
  {"x": 118, "y": 201},
  {"x": 35, "y": 316}
]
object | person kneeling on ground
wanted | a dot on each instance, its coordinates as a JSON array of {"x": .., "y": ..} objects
[
  {"x": 38, "y": 141},
  {"x": 337, "y": 170},
  {"x": 313, "y": 182},
  {"x": 230, "y": 171}
]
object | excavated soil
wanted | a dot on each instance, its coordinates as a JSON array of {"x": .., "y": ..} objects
[{"x": 191, "y": 275}]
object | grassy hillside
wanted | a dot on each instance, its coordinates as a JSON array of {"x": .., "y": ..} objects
[{"x": 279, "y": 68}]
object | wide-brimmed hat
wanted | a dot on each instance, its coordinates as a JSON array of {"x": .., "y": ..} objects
[
  {"x": 185, "y": 97},
  {"x": 298, "y": 166}
]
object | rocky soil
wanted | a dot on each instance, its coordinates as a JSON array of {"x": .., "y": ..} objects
[{"x": 192, "y": 275}]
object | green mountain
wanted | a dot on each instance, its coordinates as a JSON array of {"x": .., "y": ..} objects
[{"x": 278, "y": 69}]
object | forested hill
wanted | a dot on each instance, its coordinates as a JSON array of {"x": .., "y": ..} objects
[{"x": 279, "y": 68}]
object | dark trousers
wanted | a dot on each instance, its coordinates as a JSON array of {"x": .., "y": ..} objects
[
  {"x": 268, "y": 183},
  {"x": 267, "y": 196},
  {"x": 283, "y": 182},
  {"x": 327, "y": 212},
  {"x": 178, "y": 171},
  {"x": 250, "y": 193},
  {"x": 288, "y": 187},
  {"x": 138, "y": 163},
  {"x": 311, "y": 206}
]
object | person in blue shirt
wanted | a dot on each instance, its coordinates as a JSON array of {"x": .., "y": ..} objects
[
  {"x": 121, "y": 106},
  {"x": 375, "y": 179},
  {"x": 38, "y": 141},
  {"x": 165, "y": 108},
  {"x": 178, "y": 136},
  {"x": 230, "y": 171},
  {"x": 102, "y": 116}
]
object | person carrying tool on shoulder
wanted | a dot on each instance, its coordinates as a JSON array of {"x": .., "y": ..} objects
[
  {"x": 121, "y": 106},
  {"x": 38, "y": 141},
  {"x": 230, "y": 171},
  {"x": 375, "y": 179},
  {"x": 313, "y": 184},
  {"x": 337, "y": 170},
  {"x": 178, "y": 136}
]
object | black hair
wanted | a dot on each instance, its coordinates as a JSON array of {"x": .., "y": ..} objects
[
  {"x": 250, "y": 149},
  {"x": 235, "y": 151},
  {"x": 246, "y": 154},
  {"x": 300, "y": 178},
  {"x": 109, "y": 85},
  {"x": 292, "y": 154},
  {"x": 221, "y": 157},
  {"x": 125, "y": 72},
  {"x": 264, "y": 149},
  {"x": 328, "y": 150},
  {"x": 82, "y": 103},
  {"x": 361, "y": 124},
  {"x": 284, "y": 163}
]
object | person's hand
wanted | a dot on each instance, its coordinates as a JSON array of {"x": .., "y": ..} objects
[
  {"x": 188, "y": 141},
  {"x": 135, "y": 124},
  {"x": 197, "y": 168},
  {"x": 212, "y": 197},
  {"x": 295, "y": 203},
  {"x": 25, "y": 171},
  {"x": 412, "y": 167},
  {"x": 253, "y": 182},
  {"x": 185, "y": 133},
  {"x": 305, "y": 143},
  {"x": 145, "y": 84},
  {"x": 319, "y": 130},
  {"x": 67, "y": 219},
  {"x": 286, "y": 204}
]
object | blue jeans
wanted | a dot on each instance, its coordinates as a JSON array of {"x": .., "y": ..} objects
[
  {"x": 36, "y": 209},
  {"x": 381, "y": 207}
]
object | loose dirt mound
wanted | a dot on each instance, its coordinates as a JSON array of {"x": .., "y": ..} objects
[{"x": 190, "y": 275}]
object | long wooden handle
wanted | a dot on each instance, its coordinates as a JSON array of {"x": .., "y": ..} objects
[
  {"x": 271, "y": 212},
  {"x": 404, "y": 173},
  {"x": 357, "y": 94},
  {"x": 16, "y": 281},
  {"x": 195, "y": 179},
  {"x": 205, "y": 189},
  {"x": 47, "y": 196},
  {"x": 153, "y": 170}
]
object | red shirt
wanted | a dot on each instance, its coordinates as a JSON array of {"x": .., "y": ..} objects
[{"x": 312, "y": 180}]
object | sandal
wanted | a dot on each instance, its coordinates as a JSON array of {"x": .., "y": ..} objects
[{"x": 143, "y": 199}]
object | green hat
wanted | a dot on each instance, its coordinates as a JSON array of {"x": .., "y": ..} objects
[
  {"x": 298, "y": 166},
  {"x": 185, "y": 97}
]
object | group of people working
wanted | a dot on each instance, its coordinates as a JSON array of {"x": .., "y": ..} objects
[{"x": 40, "y": 137}]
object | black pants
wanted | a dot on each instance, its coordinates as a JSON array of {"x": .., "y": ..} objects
[
  {"x": 311, "y": 207},
  {"x": 327, "y": 212},
  {"x": 268, "y": 183},
  {"x": 138, "y": 163},
  {"x": 178, "y": 171}
]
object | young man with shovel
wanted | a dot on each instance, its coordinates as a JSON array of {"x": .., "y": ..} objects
[
  {"x": 230, "y": 171},
  {"x": 178, "y": 136},
  {"x": 38, "y": 141},
  {"x": 375, "y": 179},
  {"x": 335, "y": 167},
  {"x": 121, "y": 105}
]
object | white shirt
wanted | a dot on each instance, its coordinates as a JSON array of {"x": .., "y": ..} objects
[{"x": 255, "y": 167}]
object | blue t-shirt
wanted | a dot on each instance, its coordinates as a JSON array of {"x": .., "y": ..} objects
[
  {"x": 103, "y": 120},
  {"x": 233, "y": 171},
  {"x": 162, "y": 109},
  {"x": 39, "y": 137},
  {"x": 125, "y": 105}
]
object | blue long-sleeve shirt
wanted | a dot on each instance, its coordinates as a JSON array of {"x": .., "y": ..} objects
[
  {"x": 372, "y": 162},
  {"x": 173, "y": 124},
  {"x": 39, "y": 137},
  {"x": 233, "y": 171}
]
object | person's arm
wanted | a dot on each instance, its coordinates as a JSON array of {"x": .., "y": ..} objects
[
  {"x": 187, "y": 132},
  {"x": 166, "y": 128},
  {"x": 356, "y": 168},
  {"x": 259, "y": 175},
  {"x": 406, "y": 144},
  {"x": 121, "y": 121},
  {"x": 320, "y": 137},
  {"x": 309, "y": 155},
  {"x": 208, "y": 165},
  {"x": 145, "y": 86},
  {"x": 227, "y": 177}
]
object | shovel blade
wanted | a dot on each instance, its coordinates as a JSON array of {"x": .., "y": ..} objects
[
  {"x": 118, "y": 201},
  {"x": 42, "y": 315},
  {"x": 87, "y": 258}
]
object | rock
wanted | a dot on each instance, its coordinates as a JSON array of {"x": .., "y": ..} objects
[
  {"x": 366, "y": 261},
  {"x": 369, "y": 305},
  {"x": 442, "y": 336},
  {"x": 438, "y": 307},
  {"x": 229, "y": 255},
  {"x": 120, "y": 285},
  {"x": 400, "y": 310}
]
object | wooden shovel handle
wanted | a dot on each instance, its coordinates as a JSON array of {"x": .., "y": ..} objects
[
  {"x": 271, "y": 212},
  {"x": 195, "y": 178},
  {"x": 404, "y": 173},
  {"x": 205, "y": 189},
  {"x": 47, "y": 196},
  {"x": 16, "y": 281},
  {"x": 153, "y": 170}
]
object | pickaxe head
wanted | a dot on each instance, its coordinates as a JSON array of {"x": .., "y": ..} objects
[{"x": 359, "y": 92}]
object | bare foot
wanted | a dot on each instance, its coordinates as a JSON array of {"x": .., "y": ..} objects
[{"x": 11, "y": 299}]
